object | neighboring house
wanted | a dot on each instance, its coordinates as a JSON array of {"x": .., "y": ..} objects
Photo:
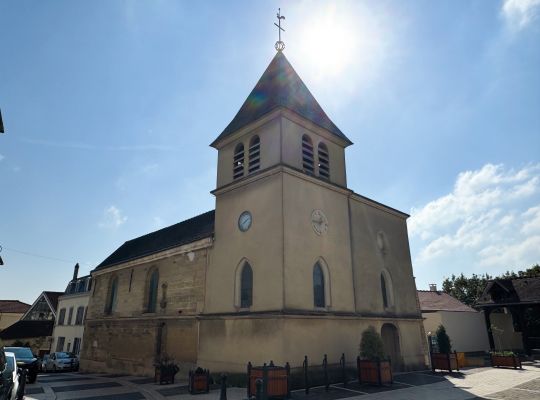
[
  {"x": 11, "y": 311},
  {"x": 464, "y": 325},
  {"x": 69, "y": 325},
  {"x": 35, "y": 327},
  {"x": 291, "y": 262},
  {"x": 512, "y": 309}
]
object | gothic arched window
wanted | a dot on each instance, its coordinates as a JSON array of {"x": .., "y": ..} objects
[
  {"x": 384, "y": 292},
  {"x": 152, "y": 293},
  {"x": 318, "y": 286},
  {"x": 324, "y": 161},
  {"x": 307, "y": 155},
  {"x": 246, "y": 287},
  {"x": 112, "y": 295},
  {"x": 238, "y": 161},
  {"x": 254, "y": 154}
]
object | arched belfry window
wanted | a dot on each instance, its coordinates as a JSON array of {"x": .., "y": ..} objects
[
  {"x": 318, "y": 286},
  {"x": 246, "y": 286},
  {"x": 324, "y": 161},
  {"x": 152, "y": 292},
  {"x": 307, "y": 155},
  {"x": 112, "y": 296},
  {"x": 238, "y": 161},
  {"x": 254, "y": 154}
]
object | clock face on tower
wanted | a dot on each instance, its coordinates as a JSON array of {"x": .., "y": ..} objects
[
  {"x": 244, "y": 221},
  {"x": 319, "y": 222}
]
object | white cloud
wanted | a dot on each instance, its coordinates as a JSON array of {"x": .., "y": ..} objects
[
  {"x": 112, "y": 218},
  {"x": 520, "y": 13},
  {"x": 492, "y": 216},
  {"x": 1, "y": 157}
]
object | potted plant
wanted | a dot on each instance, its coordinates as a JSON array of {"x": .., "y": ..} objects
[
  {"x": 444, "y": 359},
  {"x": 165, "y": 370},
  {"x": 372, "y": 366},
  {"x": 199, "y": 381},
  {"x": 505, "y": 359}
]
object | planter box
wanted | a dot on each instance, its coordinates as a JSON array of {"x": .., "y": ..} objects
[
  {"x": 165, "y": 373},
  {"x": 506, "y": 361},
  {"x": 374, "y": 372},
  {"x": 199, "y": 381},
  {"x": 444, "y": 361},
  {"x": 276, "y": 380}
]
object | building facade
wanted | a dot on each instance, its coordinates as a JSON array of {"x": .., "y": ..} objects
[
  {"x": 72, "y": 305},
  {"x": 11, "y": 311},
  {"x": 291, "y": 262}
]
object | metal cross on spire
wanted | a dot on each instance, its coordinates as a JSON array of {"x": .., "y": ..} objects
[{"x": 279, "y": 44}]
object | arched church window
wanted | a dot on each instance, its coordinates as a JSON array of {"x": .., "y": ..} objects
[
  {"x": 318, "y": 286},
  {"x": 254, "y": 154},
  {"x": 112, "y": 295},
  {"x": 307, "y": 155},
  {"x": 324, "y": 161},
  {"x": 238, "y": 161},
  {"x": 246, "y": 287},
  {"x": 152, "y": 292},
  {"x": 384, "y": 292}
]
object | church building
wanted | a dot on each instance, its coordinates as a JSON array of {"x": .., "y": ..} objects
[{"x": 290, "y": 263}]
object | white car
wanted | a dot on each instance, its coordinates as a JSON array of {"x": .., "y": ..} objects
[
  {"x": 62, "y": 361},
  {"x": 17, "y": 391}
]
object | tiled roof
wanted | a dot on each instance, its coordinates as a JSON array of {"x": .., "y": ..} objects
[
  {"x": 27, "y": 329},
  {"x": 436, "y": 300},
  {"x": 280, "y": 86},
  {"x": 13, "y": 306},
  {"x": 184, "y": 232},
  {"x": 511, "y": 291}
]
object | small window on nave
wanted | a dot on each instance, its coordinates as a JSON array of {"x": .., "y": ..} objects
[
  {"x": 324, "y": 161},
  {"x": 384, "y": 292},
  {"x": 153, "y": 284},
  {"x": 254, "y": 154},
  {"x": 246, "y": 287},
  {"x": 238, "y": 161},
  {"x": 112, "y": 295},
  {"x": 307, "y": 155},
  {"x": 318, "y": 286}
]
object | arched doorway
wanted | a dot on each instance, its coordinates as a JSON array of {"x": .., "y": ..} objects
[{"x": 390, "y": 337}]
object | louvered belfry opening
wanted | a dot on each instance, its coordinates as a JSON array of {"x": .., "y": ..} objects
[
  {"x": 307, "y": 155},
  {"x": 324, "y": 162},
  {"x": 254, "y": 154},
  {"x": 238, "y": 162}
]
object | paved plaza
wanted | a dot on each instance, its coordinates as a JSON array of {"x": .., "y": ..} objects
[{"x": 477, "y": 383}]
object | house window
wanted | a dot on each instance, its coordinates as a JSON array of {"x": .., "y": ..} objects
[
  {"x": 111, "y": 298},
  {"x": 324, "y": 161},
  {"x": 80, "y": 316},
  {"x": 383, "y": 291},
  {"x": 307, "y": 155},
  {"x": 238, "y": 161},
  {"x": 70, "y": 316},
  {"x": 318, "y": 286},
  {"x": 246, "y": 287},
  {"x": 61, "y": 316},
  {"x": 60, "y": 343},
  {"x": 77, "y": 346},
  {"x": 152, "y": 291},
  {"x": 254, "y": 154}
]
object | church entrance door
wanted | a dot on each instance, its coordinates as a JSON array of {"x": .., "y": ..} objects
[{"x": 390, "y": 337}]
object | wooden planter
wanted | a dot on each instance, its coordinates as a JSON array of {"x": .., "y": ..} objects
[
  {"x": 199, "y": 381},
  {"x": 506, "y": 361},
  {"x": 374, "y": 372},
  {"x": 165, "y": 373},
  {"x": 444, "y": 361},
  {"x": 275, "y": 380}
]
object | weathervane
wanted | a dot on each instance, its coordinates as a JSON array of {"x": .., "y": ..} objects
[{"x": 279, "y": 44}]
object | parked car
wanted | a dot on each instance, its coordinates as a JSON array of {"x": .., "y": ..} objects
[
  {"x": 26, "y": 360},
  {"x": 18, "y": 377},
  {"x": 6, "y": 378},
  {"x": 43, "y": 361},
  {"x": 61, "y": 361}
]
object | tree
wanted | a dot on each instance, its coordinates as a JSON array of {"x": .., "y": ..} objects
[
  {"x": 443, "y": 340},
  {"x": 371, "y": 345}
]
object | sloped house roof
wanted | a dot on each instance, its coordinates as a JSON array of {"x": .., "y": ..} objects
[
  {"x": 436, "y": 300},
  {"x": 503, "y": 292},
  {"x": 13, "y": 306}
]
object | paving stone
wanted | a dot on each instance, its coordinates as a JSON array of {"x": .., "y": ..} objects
[
  {"x": 33, "y": 390},
  {"x": 418, "y": 379},
  {"x": 515, "y": 394},
  {"x": 333, "y": 393},
  {"x": 142, "y": 381},
  {"x": 66, "y": 379},
  {"x": 123, "y": 396},
  {"x": 173, "y": 391},
  {"x": 87, "y": 386},
  {"x": 365, "y": 388},
  {"x": 531, "y": 385}
]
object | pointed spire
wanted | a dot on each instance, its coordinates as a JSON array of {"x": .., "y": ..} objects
[{"x": 280, "y": 86}]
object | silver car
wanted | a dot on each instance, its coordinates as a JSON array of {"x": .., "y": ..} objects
[
  {"x": 62, "y": 361},
  {"x": 17, "y": 391}
]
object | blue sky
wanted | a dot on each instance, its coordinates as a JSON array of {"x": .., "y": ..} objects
[{"x": 109, "y": 108}]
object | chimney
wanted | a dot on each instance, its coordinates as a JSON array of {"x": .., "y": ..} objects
[
  {"x": 76, "y": 271},
  {"x": 432, "y": 287}
]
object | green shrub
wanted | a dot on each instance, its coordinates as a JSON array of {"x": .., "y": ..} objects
[
  {"x": 443, "y": 341},
  {"x": 371, "y": 345},
  {"x": 503, "y": 353}
]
